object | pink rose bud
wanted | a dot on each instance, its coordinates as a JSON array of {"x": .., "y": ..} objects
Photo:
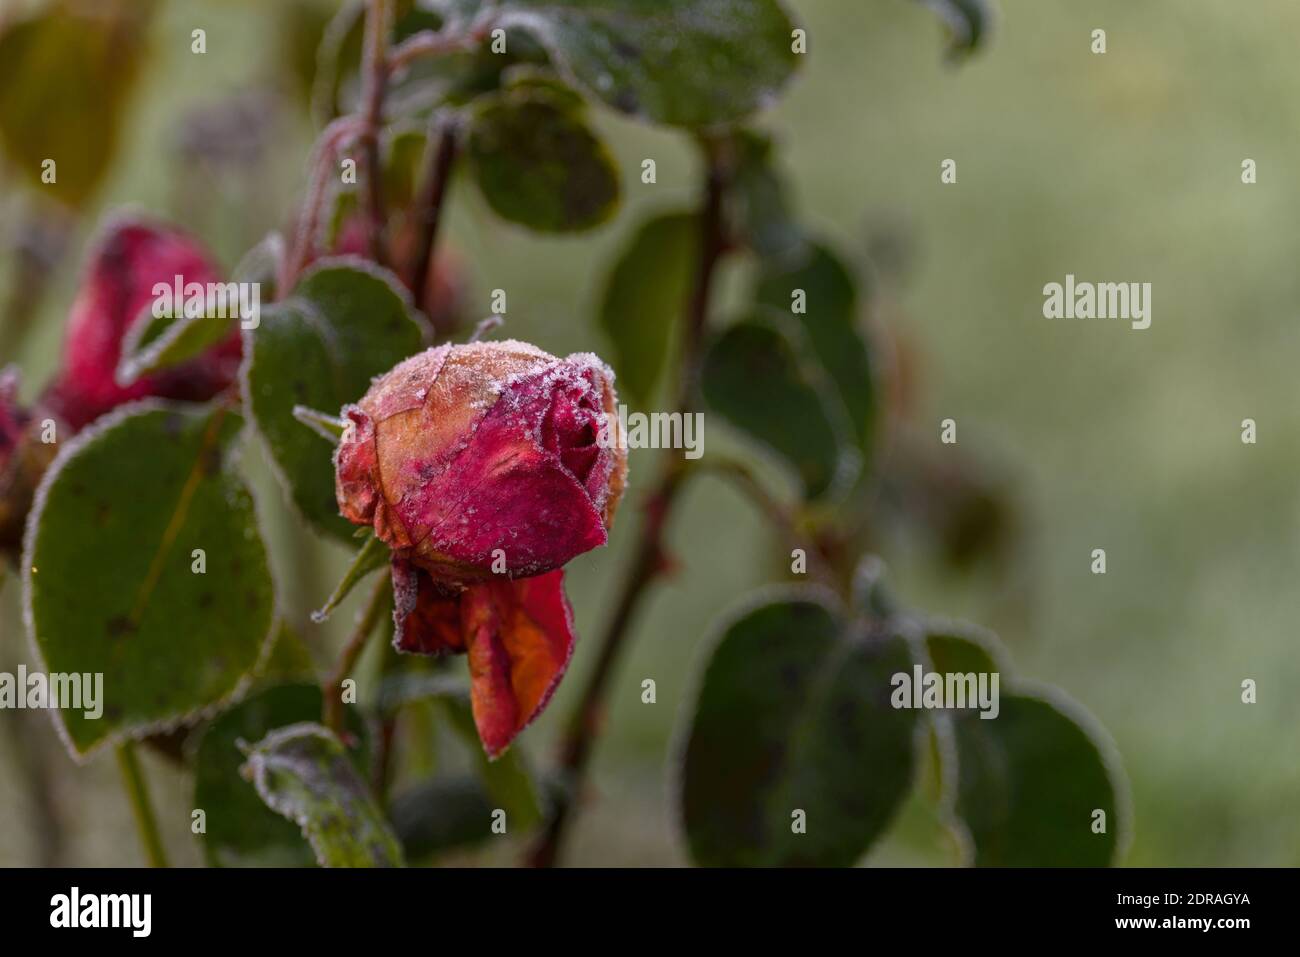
[
  {"x": 486, "y": 467},
  {"x": 116, "y": 292}
]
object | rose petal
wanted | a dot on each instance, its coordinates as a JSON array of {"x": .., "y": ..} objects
[
  {"x": 504, "y": 491},
  {"x": 520, "y": 638},
  {"x": 427, "y": 617}
]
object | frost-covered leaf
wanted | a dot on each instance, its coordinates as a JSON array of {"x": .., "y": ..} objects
[
  {"x": 795, "y": 755},
  {"x": 823, "y": 287},
  {"x": 1024, "y": 787},
  {"x": 372, "y": 556},
  {"x": 757, "y": 378},
  {"x": 645, "y": 297},
  {"x": 241, "y": 830},
  {"x": 539, "y": 164},
  {"x": 346, "y": 322},
  {"x": 687, "y": 63},
  {"x": 164, "y": 342},
  {"x": 1031, "y": 783},
  {"x": 303, "y": 773},
  {"x": 144, "y": 562}
]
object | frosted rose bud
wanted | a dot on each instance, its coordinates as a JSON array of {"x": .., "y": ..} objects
[
  {"x": 482, "y": 455},
  {"x": 486, "y": 467},
  {"x": 116, "y": 292}
]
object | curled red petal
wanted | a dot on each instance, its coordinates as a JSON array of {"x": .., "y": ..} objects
[
  {"x": 520, "y": 638},
  {"x": 355, "y": 468},
  {"x": 427, "y": 616}
]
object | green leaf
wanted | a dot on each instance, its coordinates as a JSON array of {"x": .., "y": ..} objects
[
  {"x": 288, "y": 660},
  {"x": 65, "y": 79},
  {"x": 373, "y": 556},
  {"x": 346, "y": 322},
  {"x": 109, "y": 563},
  {"x": 830, "y": 321},
  {"x": 302, "y": 772},
  {"x": 687, "y": 63},
  {"x": 262, "y": 265},
  {"x": 507, "y": 781},
  {"x": 794, "y": 714},
  {"x": 968, "y": 23},
  {"x": 959, "y": 648},
  {"x": 328, "y": 427},
  {"x": 645, "y": 297},
  {"x": 1029, "y": 782},
  {"x": 442, "y": 814},
  {"x": 241, "y": 831},
  {"x": 161, "y": 343},
  {"x": 538, "y": 163},
  {"x": 755, "y": 377},
  {"x": 764, "y": 215}
]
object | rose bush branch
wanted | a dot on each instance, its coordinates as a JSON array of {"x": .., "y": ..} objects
[
  {"x": 367, "y": 622},
  {"x": 650, "y": 560},
  {"x": 328, "y": 145},
  {"x": 374, "y": 76},
  {"x": 429, "y": 207}
]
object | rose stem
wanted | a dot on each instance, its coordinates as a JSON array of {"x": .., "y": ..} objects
[
  {"x": 304, "y": 240},
  {"x": 650, "y": 559},
  {"x": 376, "y": 604},
  {"x": 374, "y": 78},
  {"x": 138, "y": 794},
  {"x": 429, "y": 210}
]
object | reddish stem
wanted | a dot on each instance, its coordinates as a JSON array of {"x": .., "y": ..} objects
[{"x": 650, "y": 559}]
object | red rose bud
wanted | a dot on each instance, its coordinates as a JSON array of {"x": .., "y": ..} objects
[
  {"x": 116, "y": 292},
  {"x": 483, "y": 467}
]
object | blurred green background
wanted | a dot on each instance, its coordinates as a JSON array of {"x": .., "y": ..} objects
[{"x": 1119, "y": 167}]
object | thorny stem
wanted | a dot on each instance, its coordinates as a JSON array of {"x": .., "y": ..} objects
[
  {"x": 374, "y": 78},
  {"x": 376, "y": 605},
  {"x": 437, "y": 43},
  {"x": 647, "y": 565},
  {"x": 428, "y": 210},
  {"x": 650, "y": 560},
  {"x": 327, "y": 146},
  {"x": 138, "y": 794}
]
